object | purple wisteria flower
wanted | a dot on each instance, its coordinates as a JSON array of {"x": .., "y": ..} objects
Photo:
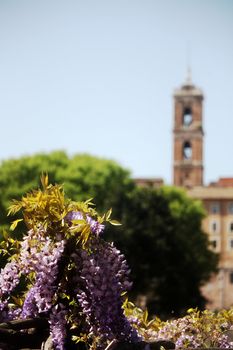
[
  {"x": 71, "y": 278},
  {"x": 40, "y": 297},
  {"x": 29, "y": 306},
  {"x": 9, "y": 278},
  {"x": 77, "y": 287},
  {"x": 8, "y": 313},
  {"x": 57, "y": 321},
  {"x": 190, "y": 332},
  {"x": 31, "y": 245},
  {"x": 102, "y": 277},
  {"x": 96, "y": 227}
]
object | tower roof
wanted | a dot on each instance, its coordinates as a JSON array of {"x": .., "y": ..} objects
[{"x": 188, "y": 88}]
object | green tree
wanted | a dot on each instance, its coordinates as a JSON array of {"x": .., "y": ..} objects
[
  {"x": 83, "y": 176},
  {"x": 166, "y": 248}
]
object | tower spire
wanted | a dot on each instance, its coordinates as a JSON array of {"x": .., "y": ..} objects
[{"x": 188, "y": 80}]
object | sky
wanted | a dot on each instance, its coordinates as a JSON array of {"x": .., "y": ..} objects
[{"x": 98, "y": 76}]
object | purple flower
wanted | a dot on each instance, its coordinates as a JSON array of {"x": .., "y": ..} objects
[
  {"x": 74, "y": 215},
  {"x": 102, "y": 277},
  {"x": 30, "y": 249},
  {"x": 29, "y": 307},
  {"x": 9, "y": 278},
  {"x": 57, "y": 320},
  {"x": 40, "y": 296},
  {"x": 95, "y": 226}
]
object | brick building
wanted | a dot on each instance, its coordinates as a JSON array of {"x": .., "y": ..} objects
[
  {"x": 188, "y": 136},
  {"x": 217, "y": 197}
]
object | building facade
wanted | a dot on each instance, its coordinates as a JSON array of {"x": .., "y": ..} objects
[
  {"x": 217, "y": 198},
  {"x": 218, "y": 203}
]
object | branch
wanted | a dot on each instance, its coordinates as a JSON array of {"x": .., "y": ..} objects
[
  {"x": 10, "y": 332},
  {"x": 111, "y": 344},
  {"x": 25, "y": 324}
]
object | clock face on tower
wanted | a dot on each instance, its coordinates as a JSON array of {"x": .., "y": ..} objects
[{"x": 187, "y": 117}]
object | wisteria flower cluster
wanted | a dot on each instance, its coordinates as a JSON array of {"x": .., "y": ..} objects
[
  {"x": 198, "y": 329},
  {"x": 64, "y": 271},
  {"x": 101, "y": 278}
]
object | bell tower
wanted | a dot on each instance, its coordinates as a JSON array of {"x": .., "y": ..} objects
[{"x": 188, "y": 135}]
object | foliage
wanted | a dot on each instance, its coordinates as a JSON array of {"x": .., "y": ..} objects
[
  {"x": 83, "y": 176},
  {"x": 72, "y": 277},
  {"x": 166, "y": 248},
  {"x": 159, "y": 227},
  {"x": 198, "y": 329},
  {"x": 140, "y": 320}
]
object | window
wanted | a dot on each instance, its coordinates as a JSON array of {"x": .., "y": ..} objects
[
  {"x": 187, "y": 117},
  {"x": 214, "y": 226},
  {"x": 215, "y": 208},
  {"x": 213, "y": 243},
  {"x": 231, "y": 277},
  {"x": 230, "y": 228},
  {"x": 230, "y": 245},
  {"x": 187, "y": 150},
  {"x": 230, "y": 208}
]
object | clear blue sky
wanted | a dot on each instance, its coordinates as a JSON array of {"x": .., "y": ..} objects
[{"x": 98, "y": 76}]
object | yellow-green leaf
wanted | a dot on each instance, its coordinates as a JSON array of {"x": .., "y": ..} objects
[
  {"x": 108, "y": 214},
  {"x": 44, "y": 180},
  {"x": 115, "y": 222},
  {"x": 145, "y": 316},
  {"x": 17, "y": 301},
  {"x": 5, "y": 235},
  {"x": 14, "y": 224}
]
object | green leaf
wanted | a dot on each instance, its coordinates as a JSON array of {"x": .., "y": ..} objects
[
  {"x": 14, "y": 224},
  {"x": 89, "y": 202},
  {"x": 145, "y": 316},
  {"x": 78, "y": 222},
  {"x": 115, "y": 222},
  {"x": 108, "y": 214},
  {"x": 17, "y": 301},
  {"x": 44, "y": 180},
  {"x": 5, "y": 235}
]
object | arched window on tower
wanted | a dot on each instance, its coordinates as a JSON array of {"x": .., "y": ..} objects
[
  {"x": 187, "y": 150},
  {"x": 187, "y": 117}
]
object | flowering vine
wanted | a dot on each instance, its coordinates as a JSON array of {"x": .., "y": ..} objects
[{"x": 71, "y": 276}]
